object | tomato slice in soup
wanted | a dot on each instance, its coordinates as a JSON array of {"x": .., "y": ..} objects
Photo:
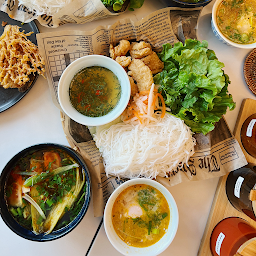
[
  {"x": 52, "y": 160},
  {"x": 15, "y": 197}
]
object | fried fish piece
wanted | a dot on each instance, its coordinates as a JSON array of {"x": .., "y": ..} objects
[
  {"x": 124, "y": 61},
  {"x": 120, "y": 50},
  {"x": 154, "y": 63},
  {"x": 134, "y": 87},
  {"x": 141, "y": 74},
  {"x": 140, "y": 50}
]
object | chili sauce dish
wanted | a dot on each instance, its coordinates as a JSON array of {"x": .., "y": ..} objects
[
  {"x": 141, "y": 218},
  {"x": 94, "y": 90},
  {"x": 44, "y": 192},
  {"x": 234, "y": 22}
]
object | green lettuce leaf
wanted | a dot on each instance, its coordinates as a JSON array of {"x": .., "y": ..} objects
[{"x": 193, "y": 84}]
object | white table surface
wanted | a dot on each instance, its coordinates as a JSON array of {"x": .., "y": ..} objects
[{"x": 35, "y": 119}]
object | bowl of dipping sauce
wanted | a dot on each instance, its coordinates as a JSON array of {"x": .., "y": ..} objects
[
  {"x": 141, "y": 218},
  {"x": 44, "y": 192},
  {"x": 233, "y": 22},
  {"x": 94, "y": 90}
]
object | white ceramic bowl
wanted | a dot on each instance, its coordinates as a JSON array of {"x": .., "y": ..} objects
[
  {"x": 154, "y": 249},
  {"x": 218, "y": 33},
  {"x": 73, "y": 69}
]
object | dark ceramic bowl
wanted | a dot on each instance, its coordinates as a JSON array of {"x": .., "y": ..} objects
[
  {"x": 11, "y": 222},
  {"x": 179, "y": 3}
]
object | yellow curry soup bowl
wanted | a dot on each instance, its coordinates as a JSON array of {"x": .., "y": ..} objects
[
  {"x": 242, "y": 23},
  {"x": 170, "y": 230}
]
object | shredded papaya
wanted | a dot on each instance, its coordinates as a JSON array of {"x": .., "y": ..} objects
[
  {"x": 143, "y": 106},
  {"x": 128, "y": 118}
]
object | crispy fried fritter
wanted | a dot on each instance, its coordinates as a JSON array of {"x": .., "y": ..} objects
[
  {"x": 141, "y": 74},
  {"x": 112, "y": 51},
  {"x": 154, "y": 63},
  {"x": 124, "y": 61},
  {"x": 120, "y": 50},
  {"x": 134, "y": 87},
  {"x": 140, "y": 50},
  {"x": 19, "y": 58},
  {"x": 4, "y": 23}
]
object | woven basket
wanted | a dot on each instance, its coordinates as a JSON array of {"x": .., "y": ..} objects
[{"x": 250, "y": 70}]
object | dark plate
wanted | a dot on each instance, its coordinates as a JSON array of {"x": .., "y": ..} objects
[{"x": 9, "y": 97}]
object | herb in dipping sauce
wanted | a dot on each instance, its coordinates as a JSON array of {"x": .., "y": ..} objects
[
  {"x": 94, "y": 91},
  {"x": 236, "y": 19}
]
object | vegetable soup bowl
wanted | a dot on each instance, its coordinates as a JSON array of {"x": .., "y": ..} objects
[
  {"x": 91, "y": 90},
  {"x": 244, "y": 24},
  {"x": 78, "y": 191},
  {"x": 161, "y": 209}
]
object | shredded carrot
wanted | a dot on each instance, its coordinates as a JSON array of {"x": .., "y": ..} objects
[
  {"x": 146, "y": 92},
  {"x": 163, "y": 104},
  {"x": 143, "y": 106},
  {"x": 154, "y": 100},
  {"x": 137, "y": 115}
]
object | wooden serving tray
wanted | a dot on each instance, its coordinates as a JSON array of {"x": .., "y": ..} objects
[
  {"x": 221, "y": 208},
  {"x": 248, "y": 108}
]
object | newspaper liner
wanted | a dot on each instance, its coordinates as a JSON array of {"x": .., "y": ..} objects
[
  {"x": 77, "y": 11},
  {"x": 216, "y": 154}
]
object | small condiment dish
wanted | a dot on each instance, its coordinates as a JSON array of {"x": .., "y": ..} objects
[
  {"x": 73, "y": 69},
  {"x": 159, "y": 246},
  {"x": 220, "y": 35}
]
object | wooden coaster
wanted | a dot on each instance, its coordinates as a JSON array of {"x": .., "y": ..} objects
[{"x": 250, "y": 71}]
